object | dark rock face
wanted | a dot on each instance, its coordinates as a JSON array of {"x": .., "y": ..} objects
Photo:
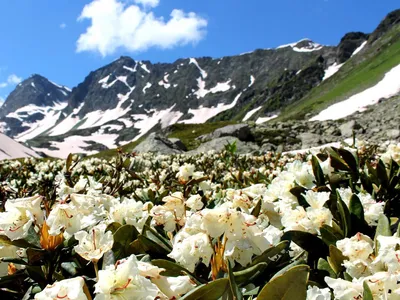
[
  {"x": 348, "y": 44},
  {"x": 390, "y": 20},
  {"x": 35, "y": 91}
]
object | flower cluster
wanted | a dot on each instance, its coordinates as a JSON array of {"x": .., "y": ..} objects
[{"x": 162, "y": 227}]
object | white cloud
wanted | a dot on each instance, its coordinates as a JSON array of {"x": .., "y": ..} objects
[
  {"x": 148, "y": 3},
  {"x": 63, "y": 25},
  {"x": 115, "y": 25},
  {"x": 11, "y": 80}
]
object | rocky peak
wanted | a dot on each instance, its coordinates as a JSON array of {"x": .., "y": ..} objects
[
  {"x": 348, "y": 44},
  {"x": 387, "y": 23},
  {"x": 36, "y": 90}
]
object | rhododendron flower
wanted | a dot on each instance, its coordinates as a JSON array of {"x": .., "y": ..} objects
[
  {"x": 93, "y": 244},
  {"x": 72, "y": 289},
  {"x": 172, "y": 287},
  {"x": 345, "y": 290},
  {"x": 315, "y": 293},
  {"x": 358, "y": 247},
  {"x": 189, "y": 249},
  {"x": 19, "y": 215},
  {"x": 123, "y": 281},
  {"x": 185, "y": 172}
]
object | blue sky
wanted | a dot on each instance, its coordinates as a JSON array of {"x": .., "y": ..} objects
[{"x": 64, "y": 40}]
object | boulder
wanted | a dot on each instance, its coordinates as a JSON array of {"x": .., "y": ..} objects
[
  {"x": 218, "y": 145},
  {"x": 346, "y": 129},
  {"x": 393, "y": 133},
  {"x": 309, "y": 140},
  {"x": 240, "y": 131},
  {"x": 178, "y": 143},
  {"x": 157, "y": 144}
]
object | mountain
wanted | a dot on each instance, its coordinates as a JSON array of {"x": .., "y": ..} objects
[
  {"x": 125, "y": 100},
  {"x": 33, "y": 107}
]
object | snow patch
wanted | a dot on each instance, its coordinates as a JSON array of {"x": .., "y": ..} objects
[
  {"x": 359, "y": 48},
  {"x": 76, "y": 144},
  {"x": 202, "y": 72},
  {"x": 266, "y": 119},
  {"x": 386, "y": 88},
  {"x": 166, "y": 117},
  {"x": 202, "y": 114},
  {"x": 148, "y": 85},
  {"x": 331, "y": 70},
  {"x": 10, "y": 149},
  {"x": 144, "y": 67},
  {"x": 250, "y": 113},
  {"x": 252, "y": 80}
]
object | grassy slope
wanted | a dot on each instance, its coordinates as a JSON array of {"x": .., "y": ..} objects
[
  {"x": 188, "y": 133},
  {"x": 358, "y": 74}
]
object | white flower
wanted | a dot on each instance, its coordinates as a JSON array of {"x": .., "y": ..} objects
[
  {"x": 315, "y": 199},
  {"x": 345, "y": 290},
  {"x": 20, "y": 214},
  {"x": 123, "y": 281},
  {"x": 93, "y": 244},
  {"x": 358, "y": 247},
  {"x": 185, "y": 172},
  {"x": 129, "y": 212},
  {"x": 189, "y": 249},
  {"x": 64, "y": 217},
  {"x": 315, "y": 293},
  {"x": 302, "y": 173},
  {"x": 72, "y": 289},
  {"x": 172, "y": 287},
  {"x": 194, "y": 202}
]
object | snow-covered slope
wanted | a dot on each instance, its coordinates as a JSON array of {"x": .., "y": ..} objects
[
  {"x": 387, "y": 87},
  {"x": 10, "y": 149}
]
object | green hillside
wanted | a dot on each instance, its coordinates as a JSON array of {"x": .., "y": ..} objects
[{"x": 359, "y": 73}]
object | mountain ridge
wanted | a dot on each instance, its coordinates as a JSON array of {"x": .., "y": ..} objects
[{"x": 124, "y": 100}]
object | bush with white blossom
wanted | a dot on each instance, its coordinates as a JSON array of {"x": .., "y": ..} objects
[{"x": 215, "y": 226}]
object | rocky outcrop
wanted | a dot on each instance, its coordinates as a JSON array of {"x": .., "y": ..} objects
[{"x": 158, "y": 144}]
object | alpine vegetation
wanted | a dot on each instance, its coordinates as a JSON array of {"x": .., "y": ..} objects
[{"x": 216, "y": 225}]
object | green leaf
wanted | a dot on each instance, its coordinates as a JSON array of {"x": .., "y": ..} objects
[
  {"x": 271, "y": 252},
  {"x": 35, "y": 256},
  {"x": 382, "y": 174},
  {"x": 383, "y": 228},
  {"x": 173, "y": 269},
  {"x": 318, "y": 174},
  {"x": 209, "y": 291},
  {"x": 367, "y": 294},
  {"x": 257, "y": 209},
  {"x": 344, "y": 213},
  {"x": 309, "y": 242},
  {"x": 329, "y": 235},
  {"x": 336, "y": 259},
  {"x": 288, "y": 286},
  {"x": 124, "y": 235},
  {"x": 249, "y": 274},
  {"x": 356, "y": 207},
  {"x": 70, "y": 267},
  {"x": 349, "y": 159},
  {"x": 323, "y": 265},
  {"x": 18, "y": 261},
  {"x": 234, "y": 289}
]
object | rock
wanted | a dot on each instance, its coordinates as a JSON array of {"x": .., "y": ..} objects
[
  {"x": 393, "y": 133},
  {"x": 218, "y": 145},
  {"x": 158, "y": 144},
  {"x": 240, "y": 131},
  {"x": 178, "y": 143},
  {"x": 268, "y": 147},
  {"x": 309, "y": 140},
  {"x": 347, "y": 128}
]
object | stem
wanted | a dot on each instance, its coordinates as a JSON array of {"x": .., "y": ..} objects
[{"x": 96, "y": 269}]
